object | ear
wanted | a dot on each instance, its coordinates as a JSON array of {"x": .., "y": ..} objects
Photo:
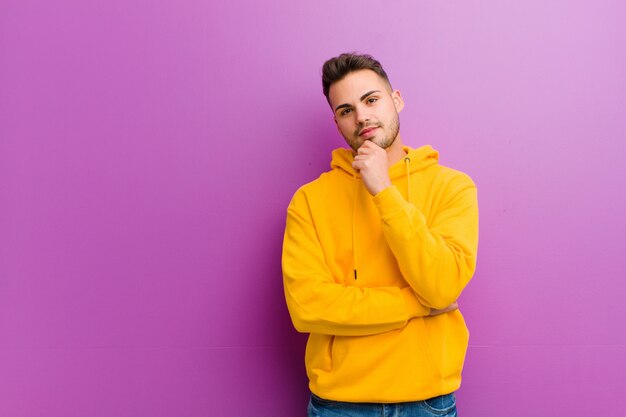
[{"x": 398, "y": 101}]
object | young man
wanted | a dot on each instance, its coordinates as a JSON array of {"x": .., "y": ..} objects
[{"x": 376, "y": 253}]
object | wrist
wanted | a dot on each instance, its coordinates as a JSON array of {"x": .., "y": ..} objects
[{"x": 382, "y": 187}]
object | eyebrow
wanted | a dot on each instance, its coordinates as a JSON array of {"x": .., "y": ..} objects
[{"x": 363, "y": 97}]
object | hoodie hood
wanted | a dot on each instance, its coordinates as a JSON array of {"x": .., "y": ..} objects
[{"x": 418, "y": 159}]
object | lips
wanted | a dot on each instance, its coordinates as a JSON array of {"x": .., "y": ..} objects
[{"x": 368, "y": 132}]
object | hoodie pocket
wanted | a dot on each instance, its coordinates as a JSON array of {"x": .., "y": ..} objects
[
  {"x": 429, "y": 346},
  {"x": 446, "y": 338}
]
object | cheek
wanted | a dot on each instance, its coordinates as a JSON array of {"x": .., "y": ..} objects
[
  {"x": 390, "y": 112},
  {"x": 345, "y": 127}
]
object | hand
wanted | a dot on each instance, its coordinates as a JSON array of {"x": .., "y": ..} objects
[
  {"x": 451, "y": 307},
  {"x": 372, "y": 163}
]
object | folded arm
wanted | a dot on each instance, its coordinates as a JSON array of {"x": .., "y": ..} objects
[
  {"x": 320, "y": 304},
  {"x": 437, "y": 259}
]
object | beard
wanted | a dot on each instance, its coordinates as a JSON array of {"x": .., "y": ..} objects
[{"x": 384, "y": 142}]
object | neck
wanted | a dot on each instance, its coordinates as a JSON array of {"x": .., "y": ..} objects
[{"x": 395, "y": 152}]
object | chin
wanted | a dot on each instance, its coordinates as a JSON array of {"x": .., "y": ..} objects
[{"x": 385, "y": 144}]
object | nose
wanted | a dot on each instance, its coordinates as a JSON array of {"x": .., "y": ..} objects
[{"x": 362, "y": 115}]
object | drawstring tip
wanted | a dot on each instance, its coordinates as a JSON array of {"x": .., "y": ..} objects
[{"x": 355, "y": 274}]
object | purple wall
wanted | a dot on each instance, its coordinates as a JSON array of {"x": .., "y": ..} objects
[{"x": 148, "y": 151}]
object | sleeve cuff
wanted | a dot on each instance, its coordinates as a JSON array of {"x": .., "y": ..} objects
[{"x": 389, "y": 201}]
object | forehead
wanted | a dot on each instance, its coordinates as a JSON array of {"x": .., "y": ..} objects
[{"x": 351, "y": 87}]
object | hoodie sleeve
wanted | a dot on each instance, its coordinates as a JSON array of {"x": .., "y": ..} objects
[
  {"x": 316, "y": 301},
  {"x": 437, "y": 259}
]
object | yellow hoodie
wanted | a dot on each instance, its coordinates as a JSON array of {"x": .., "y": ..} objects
[{"x": 362, "y": 272}]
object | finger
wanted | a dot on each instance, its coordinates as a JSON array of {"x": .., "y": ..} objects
[
  {"x": 368, "y": 144},
  {"x": 363, "y": 150}
]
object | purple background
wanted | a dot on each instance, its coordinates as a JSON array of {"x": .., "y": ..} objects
[{"x": 148, "y": 151}]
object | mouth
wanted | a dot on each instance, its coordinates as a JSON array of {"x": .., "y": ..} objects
[{"x": 368, "y": 132}]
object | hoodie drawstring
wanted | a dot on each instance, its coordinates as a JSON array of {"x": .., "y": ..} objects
[
  {"x": 356, "y": 194},
  {"x": 407, "y": 164}
]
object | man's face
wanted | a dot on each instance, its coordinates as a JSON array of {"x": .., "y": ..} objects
[{"x": 365, "y": 108}]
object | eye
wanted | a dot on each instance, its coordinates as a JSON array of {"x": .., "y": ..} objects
[
  {"x": 345, "y": 111},
  {"x": 372, "y": 100}
]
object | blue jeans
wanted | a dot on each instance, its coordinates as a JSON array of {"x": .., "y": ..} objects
[{"x": 442, "y": 406}]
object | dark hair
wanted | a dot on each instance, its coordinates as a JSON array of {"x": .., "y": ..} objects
[{"x": 338, "y": 67}]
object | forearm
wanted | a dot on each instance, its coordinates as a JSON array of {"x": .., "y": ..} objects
[
  {"x": 350, "y": 311},
  {"x": 320, "y": 303},
  {"x": 437, "y": 260}
]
